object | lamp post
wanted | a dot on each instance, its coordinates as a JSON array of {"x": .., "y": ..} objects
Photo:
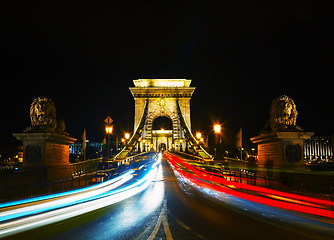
[
  {"x": 108, "y": 121},
  {"x": 198, "y": 135},
  {"x": 217, "y": 129},
  {"x": 108, "y": 129},
  {"x": 126, "y": 136},
  {"x": 139, "y": 140},
  {"x": 144, "y": 145}
]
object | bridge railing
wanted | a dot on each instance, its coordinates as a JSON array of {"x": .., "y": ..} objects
[
  {"x": 131, "y": 158},
  {"x": 236, "y": 164},
  {"x": 27, "y": 189},
  {"x": 87, "y": 166}
]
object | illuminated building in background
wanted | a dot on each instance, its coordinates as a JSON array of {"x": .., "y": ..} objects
[
  {"x": 318, "y": 148},
  {"x": 94, "y": 149},
  {"x": 11, "y": 153}
]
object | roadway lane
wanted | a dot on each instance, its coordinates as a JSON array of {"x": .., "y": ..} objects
[{"x": 165, "y": 211}]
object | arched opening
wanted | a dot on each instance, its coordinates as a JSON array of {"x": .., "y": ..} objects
[
  {"x": 162, "y": 133},
  {"x": 162, "y": 122},
  {"x": 162, "y": 147}
]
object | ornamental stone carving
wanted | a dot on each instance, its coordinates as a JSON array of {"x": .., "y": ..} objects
[
  {"x": 283, "y": 115},
  {"x": 43, "y": 117}
]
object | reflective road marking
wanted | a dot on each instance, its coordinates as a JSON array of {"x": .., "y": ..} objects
[{"x": 162, "y": 219}]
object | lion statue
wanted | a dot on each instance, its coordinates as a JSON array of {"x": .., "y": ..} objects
[
  {"x": 43, "y": 117},
  {"x": 283, "y": 115}
]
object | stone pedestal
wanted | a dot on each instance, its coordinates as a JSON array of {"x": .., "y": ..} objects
[
  {"x": 280, "y": 150},
  {"x": 47, "y": 153}
]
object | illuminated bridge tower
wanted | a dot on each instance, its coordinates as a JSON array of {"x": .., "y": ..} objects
[{"x": 162, "y": 98}]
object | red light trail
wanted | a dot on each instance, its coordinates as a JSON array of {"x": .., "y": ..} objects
[{"x": 274, "y": 198}]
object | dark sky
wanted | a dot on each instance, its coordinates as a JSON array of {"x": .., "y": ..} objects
[{"x": 239, "y": 54}]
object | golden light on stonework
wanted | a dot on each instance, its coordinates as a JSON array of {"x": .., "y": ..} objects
[
  {"x": 162, "y": 131},
  {"x": 162, "y": 82}
]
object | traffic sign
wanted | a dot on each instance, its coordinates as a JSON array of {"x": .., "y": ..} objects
[{"x": 108, "y": 120}]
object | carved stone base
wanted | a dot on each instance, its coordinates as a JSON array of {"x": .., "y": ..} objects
[
  {"x": 47, "y": 153},
  {"x": 280, "y": 150}
]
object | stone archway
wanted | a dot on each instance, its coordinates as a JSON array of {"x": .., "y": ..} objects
[
  {"x": 162, "y": 147},
  {"x": 177, "y": 129},
  {"x": 162, "y": 135},
  {"x": 162, "y": 97}
]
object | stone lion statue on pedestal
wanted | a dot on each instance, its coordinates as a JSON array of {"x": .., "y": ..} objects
[
  {"x": 283, "y": 115},
  {"x": 43, "y": 117}
]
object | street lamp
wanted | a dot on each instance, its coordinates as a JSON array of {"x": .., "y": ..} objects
[
  {"x": 127, "y": 136},
  {"x": 253, "y": 149},
  {"x": 217, "y": 129},
  {"x": 139, "y": 140},
  {"x": 144, "y": 144},
  {"x": 200, "y": 139},
  {"x": 109, "y": 130}
]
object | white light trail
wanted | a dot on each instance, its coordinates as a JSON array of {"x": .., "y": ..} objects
[
  {"x": 67, "y": 193},
  {"x": 61, "y": 202},
  {"x": 74, "y": 204}
]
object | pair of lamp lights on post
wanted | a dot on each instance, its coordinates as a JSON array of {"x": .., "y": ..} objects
[
  {"x": 199, "y": 137},
  {"x": 109, "y": 129},
  {"x": 126, "y": 138},
  {"x": 217, "y": 129}
]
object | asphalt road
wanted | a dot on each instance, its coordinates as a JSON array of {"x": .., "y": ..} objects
[{"x": 166, "y": 211}]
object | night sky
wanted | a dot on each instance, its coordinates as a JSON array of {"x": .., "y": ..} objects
[{"x": 239, "y": 54}]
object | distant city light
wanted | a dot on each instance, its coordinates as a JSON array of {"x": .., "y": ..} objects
[
  {"x": 127, "y": 136},
  {"x": 198, "y": 135}
]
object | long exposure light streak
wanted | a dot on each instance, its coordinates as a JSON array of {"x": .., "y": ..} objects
[
  {"x": 58, "y": 202},
  {"x": 222, "y": 179},
  {"x": 63, "y": 194},
  {"x": 73, "y": 204},
  {"x": 274, "y": 198}
]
